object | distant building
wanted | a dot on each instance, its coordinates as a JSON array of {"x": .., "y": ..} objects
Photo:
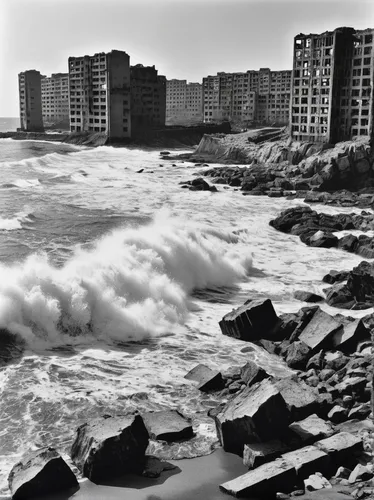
[
  {"x": 184, "y": 102},
  {"x": 99, "y": 94},
  {"x": 332, "y": 89},
  {"x": 261, "y": 97},
  {"x": 148, "y": 99},
  {"x": 55, "y": 99},
  {"x": 30, "y": 101}
]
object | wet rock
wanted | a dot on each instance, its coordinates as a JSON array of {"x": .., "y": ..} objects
[
  {"x": 298, "y": 355},
  {"x": 335, "y": 276},
  {"x": 206, "y": 378},
  {"x": 252, "y": 373},
  {"x": 339, "y": 295},
  {"x": 316, "y": 482},
  {"x": 108, "y": 446},
  {"x": 317, "y": 361},
  {"x": 263, "y": 482},
  {"x": 258, "y": 413},
  {"x": 360, "y": 473},
  {"x": 301, "y": 400},
  {"x": 343, "y": 473},
  {"x": 360, "y": 412},
  {"x": 40, "y": 473},
  {"x": 323, "y": 239},
  {"x": 154, "y": 467},
  {"x": 340, "y": 447},
  {"x": 256, "y": 454},
  {"x": 338, "y": 414},
  {"x": 167, "y": 425},
  {"x": 360, "y": 282},
  {"x": 336, "y": 360},
  {"x": 256, "y": 319},
  {"x": 312, "y": 429},
  {"x": 307, "y": 296},
  {"x": 352, "y": 333},
  {"x": 319, "y": 330},
  {"x": 308, "y": 460}
]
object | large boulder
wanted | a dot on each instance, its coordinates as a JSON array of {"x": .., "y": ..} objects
[
  {"x": 341, "y": 447},
  {"x": 40, "y": 473},
  {"x": 167, "y": 425},
  {"x": 301, "y": 399},
  {"x": 308, "y": 460},
  {"x": 298, "y": 355},
  {"x": 258, "y": 413},
  {"x": 254, "y": 320},
  {"x": 361, "y": 282},
  {"x": 256, "y": 454},
  {"x": 263, "y": 482},
  {"x": 252, "y": 373},
  {"x": 353, "y": 332},
  {"x": 108, "y": 446},
  {"x": 312, "y": 429},
  {"x": 319, "y": 330},
  {"x": 206, "y": 378}
]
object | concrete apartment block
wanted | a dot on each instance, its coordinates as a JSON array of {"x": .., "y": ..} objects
[{"x": 30, "y": 101}]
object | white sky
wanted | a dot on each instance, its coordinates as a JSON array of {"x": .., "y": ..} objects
[{"x": 185, "y": 39}]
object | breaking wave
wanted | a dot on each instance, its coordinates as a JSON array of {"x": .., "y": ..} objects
[
  {"x": 133, "y": 283},
  {"x": 15, "y": 222},
  {"x": 22, "y": 184}
]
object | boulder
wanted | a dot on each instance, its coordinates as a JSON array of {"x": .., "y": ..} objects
[
  {"x": 252, "y": 373},
  {"x": 340, "y": 447},
  {"x": 40, "y": 473},
  {"x": 351, "y": 385},
  {"x": 335, "y": 276},
  {"x": 256, "y": 454},
  {"x": 319, "y": 330},
  {"x": 350, "y": 335},
  {"x": 335, "y": 360},
  {"x": 323, "y": 239},
  {"x": 312, "y": 429},
  {"x": 264, "y": 481},
  {"x": 258, "y": 413},
  {"x": 298, "y": 355},
  {"x": 167, "y": 425},
  {"x": 206, "y": 378},
  {"x": 254, "y": 320},
  {"x": 301, "y": 400},
  {"x": 360, "y": 473},
  {"x": 108, "y": 446},
  {"x": 337, "y": 414},
  {"x": 316, "y": 482},
  {"x": 360, "y": 412},
  {"x": 349, "y": 243},
  {"x": 317, "y": 361},
  {"x": 360, "y": 282},
  {"x": 307, "y": 296},
  {"x": 339, "y": 295},
  {"x": 154, "y": 467},
  {"x": 308, "y": 460}
]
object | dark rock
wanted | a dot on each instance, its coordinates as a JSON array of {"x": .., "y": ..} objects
[
  {"x": 316, "y": 482},
  {"x": 256, "y": 319},
  {"x": 164, "y": 152},
  {"x": 319, "y": 330},
  {"x": 349, "y": 243},
  {"x": 360, "y": 473},
  {"x": 109, "y": 446},
  {"x": 167, "y": 425},
  {"x": 335, "y": 276},
  {"x": 257, "y": 413},
  {"x": 140, "y": 171},
  {"x": 341, "y": 447},
  {"x": 353, "y": 332},
  {"x": 312, "y": 429},
  {"x": 263, "y": 482},
  {"x": 298, "y": 355},
  {"x": 301, "y": 400},
  {"x": 268, "y": 345},
  {"x": 154, "y": 467},
  {"x": 317, "y": 361},
  {"x": 360, "y": 412},
  {"x": 338, "y": 414},
  {"x": 200, "y": 184},
  {"x": 323, "y": 239},
  {"x": 361, "y": 282},
  {"x": 39, "y": 473},
  {"x": 325, "y": 374},
  {"x": 251, "y": 373},
  {"x": 256, "y": 454},
  {"x": 351, "y": 385},
  {"x": 206, "y": 378},
  {"x": 307, "y": 460},
  {"x": 307, "y": 296},
  {"x": 336, "y": 360}
]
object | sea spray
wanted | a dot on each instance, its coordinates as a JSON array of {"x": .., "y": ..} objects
[{"x": 133, "y": 283}]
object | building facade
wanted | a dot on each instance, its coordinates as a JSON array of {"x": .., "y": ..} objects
[
  {"x": 332, "y": 88},
  {"x": 30, "y": 101},
  {"x": 184, "y": 103},
  {"x": 148, "y": 99},
  {"x": 100, "y": 94},
  {"x": 253, "y": 97},
  {"x": 55, "y": 99}
]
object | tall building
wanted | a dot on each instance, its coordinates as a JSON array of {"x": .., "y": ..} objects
[
  {"x": 100, "y": 95},
  {"x": 30, "y": 101},
  {"x": 55, "y": 99},
  {"x": 184, "y": 103},
  {"x": 332, "y": 88},
  {"x": 148, "y": 99},
  {"x": 252, "y": 97}
]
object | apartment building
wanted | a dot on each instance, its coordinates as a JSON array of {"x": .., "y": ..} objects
[
  {"x": 30, "y": 101},
  {"x": 332, "y": 88},
  {"x": 100, "y": 94},
  {"x": 252, "y": 97},
  {"x": 148, "y": 99},
  {"x": 184, "y": 103},
  {"x": 55, "y": 99}
]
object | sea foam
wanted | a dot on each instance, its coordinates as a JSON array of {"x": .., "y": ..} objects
[{"x": 133, "y": 283}]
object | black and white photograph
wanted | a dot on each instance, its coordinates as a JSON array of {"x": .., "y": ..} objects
[{"x": 186, "y": 249}]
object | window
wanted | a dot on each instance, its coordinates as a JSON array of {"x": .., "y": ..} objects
[{"x": 367, "y": 50}]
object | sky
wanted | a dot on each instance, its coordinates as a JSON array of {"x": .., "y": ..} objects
[{"x": 185, "y": 39}]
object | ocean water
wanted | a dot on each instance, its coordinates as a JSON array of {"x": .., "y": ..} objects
[
  {"x": 115, "y": 280},
  {"x": 9, "y": 124}
]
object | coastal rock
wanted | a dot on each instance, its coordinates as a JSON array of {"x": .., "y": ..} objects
[
  {"x": 308, "y": 460},
  {"x": 301, "y": 400},
  {"x": 39, "y": 473},
  {"x": 319, "y": 330},
  {"x": 307, "y": 296},
  {"x": 256, "y": 454},
  {"x": 206, "y": 378},
  {"x": 340, "y": 447},
  {"x": 360, "y": 412},
  {"x": 264, "y": 481},
  {"x": 339, "y": 295},
  {"x": 200, "y": 184},
  {"x": 323, "y": 239},
  {"x": 109, "y": 446},
  {"x": 360, "y": 473},
  {"x": 298, "y": 355},
  {"x": 252, "y": 373},
  {"x": 337, "y": 414},
  {"x": 316, "y": 482},
  {"x": 258, "y": 413},
  {"x": 167, "y": 425},
  {"x": 154, "y": 467},
  {"x": 335, "y": 276},
  {"x": 317, "y": 361},
  {"x": 254, "y": 320},
  {"x": 312, "y": 429},
  {"x": 360, "y": 282},
  {"x": 353, "y": 332}
]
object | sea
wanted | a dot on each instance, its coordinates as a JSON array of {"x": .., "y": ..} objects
[{"x": 114, "y": 278}]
